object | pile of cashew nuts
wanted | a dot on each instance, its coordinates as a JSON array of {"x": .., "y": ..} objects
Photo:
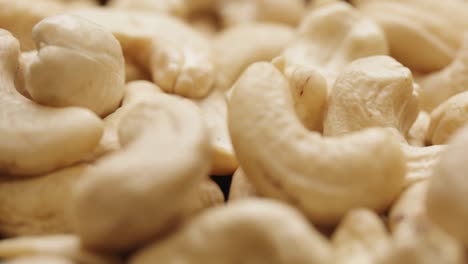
[{"x": 344, "y": 125}]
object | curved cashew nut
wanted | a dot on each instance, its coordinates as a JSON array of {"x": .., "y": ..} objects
[
  {"x": 234, "y": 12},
  {"x": 448, "y": 118},
  {"x": 63, "y": 246},
  {"x": 417, "y": 134},
  {"x": 241, "y": 187},
  {"x": 331, "y": 36},
  {"x": 179, "y": 58},
  {"x": 360, "y": 238},
  {"x": 448, "y": 187},
  {"x": 250, "y": 231},
  {"x": 288, "y": 162},
  {"x": 169, "y": 129},
  {"x": 423, "y": 35},
  {"x": 35, "y": 138},
  {"x": 379, "y": 92},
  {"x": 78, "y": 64},
  {"x": 237, "y": 47}
]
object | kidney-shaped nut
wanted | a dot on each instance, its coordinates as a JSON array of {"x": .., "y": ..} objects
[
  {"x": 35, "y": 138},
  {"x": 241, "y": 187},
  {"x": 237, "y": 47},
  {"x": 360, "y": 238},
  {"x": 179, "y": 58},
  {"x": 249, "y": 231},
  {"x": 138, "y": 190},
  {"x": 330, "y": 37},
  {"x": 286, "y": 161},
  {"x": 424, "y": 35},
  {"x": 448, "y": 118},
  {"x": 378, "y": 91},
  {"x": 448, "y": 189},
  {"x": 63, "y": 246},
  {"x": 78, "y": 64}
]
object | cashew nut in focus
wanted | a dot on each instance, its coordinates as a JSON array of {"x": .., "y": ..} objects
[
  {"x": 285, "y": 161},
  {"x": 67, "y": 247},
  {"x": 249, "y": 231},
  {"x": 179, "y": 58},
  {"x": 78, "y": 64},
  {"x": 165, "y": 153},
  {"x": 448, "y": 188},
  {"x": 37, "y": 139},
  {"x": 424, "y": 35},
  {"x": 379, "y": 92},
  {"x": 330, "y": 37},
  {"x": 241, "y": 187}
]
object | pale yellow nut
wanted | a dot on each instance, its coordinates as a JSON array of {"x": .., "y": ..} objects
[
  {"x": 286, "y": 161},
  {"x": 417, "y": 133},
  {"x": 241, "y": 187},
  {"x": 422, "y": 34},
  {"x": 360, "y": 238},
  {"x": 172, "y": 7},
  {"x": 439, "y": 86},
  {"x": 179, "y": 58},
  {"x": 78, "y": 63},
  {"x": 206, "y": 195},
  {"x": 331, "y": 36},
  {"x": 237, "y": 47},
  {"x": 25, "y": 60},
  {"x": 447, "y": 118},
  {"x": 448, "y": 187},
  {"x": 379, "y": 92},
  {"x": 233, "y": 12},
  {"x": 38, "y": 139},
  {"x": 249, "y": 231},
  {"x": 165, "y": 153},
  {"x": 63, "y": 246}
]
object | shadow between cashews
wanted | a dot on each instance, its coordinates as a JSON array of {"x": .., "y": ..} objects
[
  {"x": 250, "y": 231},
  {"x": 379, "y": 92},
  {"x": 139, "y": 190},
  {"x": 324, "y": 177},
  {"x": 37, "y": 139}
]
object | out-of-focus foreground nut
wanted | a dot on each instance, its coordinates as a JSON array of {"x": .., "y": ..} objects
[
  {"x": 424, "y": 35},
  {"x": 379, "y": 92},
  {"x": 64, "y": 246},
  {"x": 241, "y": 187},
  {"x": 78, "y": 64},
  {"x": 179, "y": 58},
  {"x": 237, "y": 47},
  {"x": 360, "y": 238},
  {"x": 286, "y": 161},
  {"x": 234, "y": 12},
  {"x": 165, "y": 153},
  {"x": 37, "y": 139},
  {"x": 448, "y": 118},
  {"x": 249, "y": 231},
  {"x": 448, "y": 189},
  {"x": 331, "y": 36},
  {"x": 39, "y": 260}
]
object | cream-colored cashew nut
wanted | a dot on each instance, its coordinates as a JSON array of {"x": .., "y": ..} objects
[
  {"x": 237, "y": 47},
  {"x": 447, "y": 118},
  {"x": 439, "y": 86},
  {"x": 446, "y": 196},
  {"x": 424, "y": 35},
  {"x": 249, "y": 231},
  {"x": 138, "y": 190},
  {"x": 379, "y": 92},
  {"x": 62, "y": 246},
  {"x": 179, "y": 58},
  {"x": 241, "y": 187},
  {"x": 206, "y": 195},
  {"x": 25, "y": 60},
  {"x": 417, "y": 133},
  {"x": 360, "y": 238},
  {"x": 37, "y": 139},
  {"x": 172, "y": 7},
  {"x": 330, "y": 37},
  {"x": 323, "y": 177},
  {"x": 235, "y": 12},
  {"x": 78, "y": 64}
]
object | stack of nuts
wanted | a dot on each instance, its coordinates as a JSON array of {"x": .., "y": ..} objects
[{"x": 342, "y": 123}]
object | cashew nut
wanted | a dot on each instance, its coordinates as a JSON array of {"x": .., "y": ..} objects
[
  {"x": 249, "y": 231},
  {"x": 286, "y": 161},
  {"x": 207, "y": 194},
  {"x": 172, "y": 7},
  {"x": 417, "y": 134},
  {"x": 241, "y": 187},
  {"x": 165, "y": 152},
  {"x": 35, "y": 138}
]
